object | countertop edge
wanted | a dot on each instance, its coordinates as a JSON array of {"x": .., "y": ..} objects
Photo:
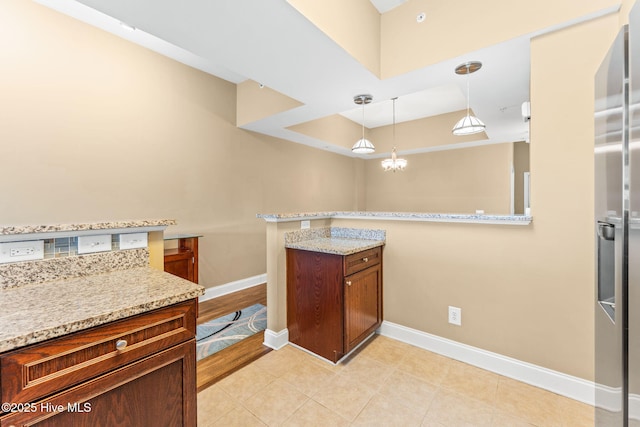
[
  {"x": 404, "y": 216},
  {"x": 98, "y": 320},
  {"x": 139, "y": 290},
  {"x": 311, "y": 245},
  {"x": 23, "y": 232}
]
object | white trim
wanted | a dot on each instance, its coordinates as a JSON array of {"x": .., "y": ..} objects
[
  {"x": 557, "y": 382},
  {"x": 634, "y": 406},
  {"x": 276, "y": 340},
  {"x": 609, "y": 399},
  {"x": 231, "y": 287}
]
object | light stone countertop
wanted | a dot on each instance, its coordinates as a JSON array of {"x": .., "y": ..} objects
[
  {"x": 335, "y": 240},
  {"x": 57, "y": 228},
  {"x": 40, "y": 311},
  {"x": 335, "y": 245},
  {"x": 403, "y": 216}
]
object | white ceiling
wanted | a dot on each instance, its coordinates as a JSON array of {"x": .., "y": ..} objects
[
  {"x": 386, "y": 5},
  {"x": 270, "y": 42}
]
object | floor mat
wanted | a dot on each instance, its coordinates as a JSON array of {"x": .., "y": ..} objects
[{"x": 220, "y": 333}]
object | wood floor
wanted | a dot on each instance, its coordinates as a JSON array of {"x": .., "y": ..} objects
[{"x": 234, "y": 357}]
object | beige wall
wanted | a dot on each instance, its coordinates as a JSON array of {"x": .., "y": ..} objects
[
  {"x": 255, "y": 102},
  {"x": 356, "y": 28},
  {"x": 95, "y": 128},
  {"x": 334, "y": 129},
  {"x": 414, "y": 134},
  {"x": 455, "y": 29},
  {"x": 454, "y": 181},
  {"x": 525, "y": 292}
]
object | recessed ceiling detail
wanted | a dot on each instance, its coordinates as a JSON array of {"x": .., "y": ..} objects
[{"x": 272, "y": 42}]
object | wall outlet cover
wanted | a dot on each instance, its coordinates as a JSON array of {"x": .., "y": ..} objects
[
  {"x": 304, "y": 224},
  {"x": 92, "y": 244},
  {"x": 455, "y": 316},
  {"x": 21, "y": 251},
  {"x": 133, "y": 240}
]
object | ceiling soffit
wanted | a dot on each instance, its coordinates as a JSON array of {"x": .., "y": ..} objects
[{"x": 313, "y": 76}]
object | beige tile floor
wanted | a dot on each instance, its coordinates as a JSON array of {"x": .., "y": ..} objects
[{"x": 387, "y": 383}]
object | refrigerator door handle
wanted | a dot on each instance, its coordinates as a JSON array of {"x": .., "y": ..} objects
[
  {"x": 605, "y": 249},
  {"x": 606, "y": 230}
]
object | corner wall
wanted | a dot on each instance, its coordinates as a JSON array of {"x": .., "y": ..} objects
[
  {"x": 96, "y": 128},
  {"x": 452, "y": 181},
  {"x": 525, "y": 292}
]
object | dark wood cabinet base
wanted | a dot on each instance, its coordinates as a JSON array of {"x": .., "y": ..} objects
[
  {"x": 94, "y": 380},
  {"x": 334, "y": 302}
]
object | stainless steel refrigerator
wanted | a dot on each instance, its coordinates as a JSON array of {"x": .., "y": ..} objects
[{"x": 617, "y": 230}]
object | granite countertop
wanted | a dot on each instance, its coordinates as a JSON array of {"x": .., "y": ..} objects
[
  {"x": 335, "y": 245},
  {"x": 403, "y": 216},
  {"x": 56, "y": 228},
  {"x": 335, "y": 240},
  {"x": 40, "y": 311}
]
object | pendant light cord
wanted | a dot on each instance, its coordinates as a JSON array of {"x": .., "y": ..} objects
[
  {"x": 363, "y": 119},
  {"x": 394, "y": 121},
  {"x": 468, "y": 68}
]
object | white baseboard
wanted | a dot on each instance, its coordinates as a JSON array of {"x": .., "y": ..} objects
[
  {"x": 634, "y": 406},
  {"x": 557, "y": 382},
  {"x": 276, "y": 340},
  {"x": 230, "y": 287}
]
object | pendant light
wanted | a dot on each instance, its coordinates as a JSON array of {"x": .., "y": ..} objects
[
  {"x": 363, "y": 145},
  {"x": 469, "y": 124},
  {"x": 394, "y": 163}
]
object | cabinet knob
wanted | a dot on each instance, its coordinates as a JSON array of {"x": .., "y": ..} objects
[
  {"x": 348, "y": 282},
  {"x": 121, "y": 345},
  {"x": 365, "y": 259}
]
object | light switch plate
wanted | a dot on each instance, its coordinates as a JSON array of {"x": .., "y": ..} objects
[
  {"x": 133, "y": 240},
  {"x": 21, "y": 251},
  {"x": 92, "y": 244}
]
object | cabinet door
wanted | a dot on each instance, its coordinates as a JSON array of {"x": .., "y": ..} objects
[
  {"x": 314, "y": 302},
  {"x": 180, "y": 264},
  {"x": 362, "y": 305},
  {"x": 157, "y": 391}
]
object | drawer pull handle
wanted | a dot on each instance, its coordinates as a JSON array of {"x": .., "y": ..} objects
[
  {"x": 365, "y": 259},
  {"x": 121, "y": 345},
  {"x": 348, "y": 282}
]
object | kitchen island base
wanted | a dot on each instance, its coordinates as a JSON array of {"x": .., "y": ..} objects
[{"x": 334, "y": 302}]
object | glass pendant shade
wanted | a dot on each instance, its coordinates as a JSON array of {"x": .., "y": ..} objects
[
  {"x": 468, "y": 125},
  {"x": 363, "y": 145}
]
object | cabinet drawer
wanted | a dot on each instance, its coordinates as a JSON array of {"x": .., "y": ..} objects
[
  {"x": 42, "y": 369},
  {"x": 158, "y": 390},
  {"x": 361, "y": 260}
]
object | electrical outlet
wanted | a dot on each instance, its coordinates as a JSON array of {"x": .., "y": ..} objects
[
  {"x": 305, "y": 224},
  {"x": 133, "y": 240},
  {"x": 91, "y": 244},
  {"x": 21, "y": 251},
  {"x": 455, "y": 316}
]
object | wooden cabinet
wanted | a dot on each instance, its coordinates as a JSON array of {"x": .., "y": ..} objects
[
  {"x": 183, "y": 260},
  {"x": 136, "y": 371},
  {"x": 334, "y": 302}
]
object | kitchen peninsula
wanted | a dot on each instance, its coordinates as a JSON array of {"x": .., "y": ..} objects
[
  {"x": 431, "y": 261},
  {"x": 86, "y": 329}
]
